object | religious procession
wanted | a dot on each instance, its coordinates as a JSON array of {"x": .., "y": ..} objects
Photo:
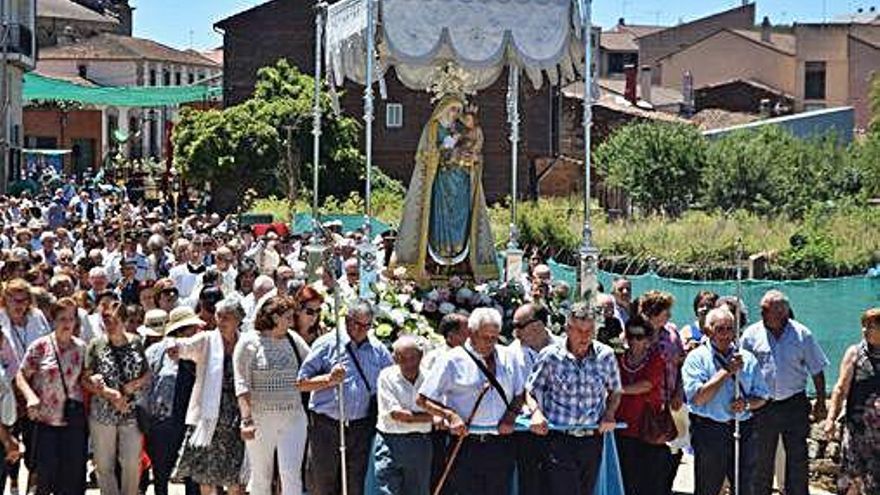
[{"x": 168, "y": 325}]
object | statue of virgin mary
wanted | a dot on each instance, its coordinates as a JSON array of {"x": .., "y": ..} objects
[{"x": 445, "y": 227}]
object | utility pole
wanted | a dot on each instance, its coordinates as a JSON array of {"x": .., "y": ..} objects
[
  {"x": 4, "y": 99},
  {"x": 292, "y": 168}
]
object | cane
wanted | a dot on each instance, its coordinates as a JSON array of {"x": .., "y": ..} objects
[
  {"x": 340, "y": 390},
  {"x": 737, "y": 385},
  {"x": 459, "y": 441}
]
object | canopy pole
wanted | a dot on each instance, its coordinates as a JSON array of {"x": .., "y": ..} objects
[
  {"x": 514, "y": 255},
  {"x": 367, "y": 252},
  {"x": 589, "y": 254},
  {"x": 316, "y": 250}
]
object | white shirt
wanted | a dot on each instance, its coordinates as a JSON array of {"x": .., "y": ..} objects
[
  {"x": 184, "y": 280},
  {"x": 17, "y": 339},
  {"x": 396, "y": 393},
  {"x": 457, "y": 378}
]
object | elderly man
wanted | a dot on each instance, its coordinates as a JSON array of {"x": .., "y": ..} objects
[
  {"x": 712, "y": 372},
  {"x": 477, "y": 388},
  {"x": 455, "y": 332},
  {"x": 609, "y": 328},
  {"x": 621, "y": 289},
  {"x": 403, "y": 444},
  {"x": 530, "y": 330},
  {"x": 574, "y": 386},
  {"x": 355, "y": 363},
  {"x": 787, "y": 354}
]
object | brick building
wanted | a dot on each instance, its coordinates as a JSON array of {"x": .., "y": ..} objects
[
  {"x": 75, "y": 130},
  {"x": 285, "y": 29}
]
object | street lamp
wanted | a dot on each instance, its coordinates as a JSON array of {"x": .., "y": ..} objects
[{"x": 589, "y": 253}]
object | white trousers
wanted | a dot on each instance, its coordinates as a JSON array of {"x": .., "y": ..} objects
[
  {"x": 286, "y": 434},
  {"x": 117, "y": 443}
]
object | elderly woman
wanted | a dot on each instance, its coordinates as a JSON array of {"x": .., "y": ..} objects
[
  {"x": 273, "y": 418},
  {"x": 641, "y": 373},
  {"x": 116, "y": 371},
  {"x": 722, "y": 384},
  {"x": 213, "y": 450},
  {"x": 859, "y": 385},
  {"x": 49, "y": 379}
]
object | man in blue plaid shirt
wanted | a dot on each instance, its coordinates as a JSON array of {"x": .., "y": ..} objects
[{"x": 574, "y": 386}]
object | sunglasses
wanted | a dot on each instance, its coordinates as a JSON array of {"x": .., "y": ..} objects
[
  {"x": 637, "y": 337},
  {"x": 312, "y": 311},
  {"x": 20, "y": 300}
]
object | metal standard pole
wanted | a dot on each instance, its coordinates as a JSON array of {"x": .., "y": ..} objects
[
  {"x": 589, "y": 254},
  {"x": 513, "y": 265},
  {"x": 736, "y": 378},
  {"x": 4, "y": 95},
  {"x": 316, "y": 248},
  {"x": 366, "y": 251},
  {"x": 340, "y": 393}
]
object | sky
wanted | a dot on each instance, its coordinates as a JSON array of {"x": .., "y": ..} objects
[{"x": 189, "y": 23}]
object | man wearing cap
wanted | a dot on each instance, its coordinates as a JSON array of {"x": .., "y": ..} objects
[
  {"x": 576, "y": 386},
  {"x": 172, "y": 385}
]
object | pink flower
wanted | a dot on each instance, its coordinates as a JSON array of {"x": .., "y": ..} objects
[
  {"x": 456, "y": 282},
  {"x": 443, "y": 294},
  {"x": 429, "y": 306}
]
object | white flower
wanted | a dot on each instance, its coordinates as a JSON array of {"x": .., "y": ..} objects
[
  {"x": 403, "y": 299},
  {"x": 417, "y": 305},
  {"x": 398, "y": 316},
  {"x": 380, "y": 287},
  {"x": 447, "y": 308},
  {"x": 399, "y": 272},
  {"x": 384, "y": 308}
]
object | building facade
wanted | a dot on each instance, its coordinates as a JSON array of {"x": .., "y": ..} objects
[{"x": 18, "y": 57}]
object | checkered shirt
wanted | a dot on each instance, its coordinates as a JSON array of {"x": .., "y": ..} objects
[{"x": 572, "y": 391}]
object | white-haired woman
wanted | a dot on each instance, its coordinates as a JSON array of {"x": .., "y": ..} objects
[{"x": 213, "y": 450}]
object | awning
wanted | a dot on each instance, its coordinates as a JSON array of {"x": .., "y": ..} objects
[
  {"x": 483, "y": 37},
  {"x": 37, "y": 87}
]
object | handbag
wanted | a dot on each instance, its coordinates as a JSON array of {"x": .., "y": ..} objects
[
  {"x": 74, "y": 410},
  {"x": 657, "y": 426},
  {"x": 373, "y": 407}
]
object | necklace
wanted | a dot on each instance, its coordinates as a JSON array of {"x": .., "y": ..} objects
[{"x": 633, "y": 367}]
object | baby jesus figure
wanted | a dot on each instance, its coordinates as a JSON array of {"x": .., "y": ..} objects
[{"x": 469, "y": 146}]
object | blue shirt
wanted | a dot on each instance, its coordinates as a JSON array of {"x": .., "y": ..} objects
[
  {"x": 371, "y": 355},
  {"x": 456, "y": 381},
  {"x": 571, "y": 391},
  {"x": 787, "y": 362},
  {"x": 702, "y": 364}
]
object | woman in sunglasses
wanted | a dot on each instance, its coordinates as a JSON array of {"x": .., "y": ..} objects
[
  {"x": 641, "y": 373},
  {"x": 308, "y": 314}
]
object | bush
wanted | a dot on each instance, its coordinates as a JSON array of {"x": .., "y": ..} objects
[{"x": 658, "y": 164}]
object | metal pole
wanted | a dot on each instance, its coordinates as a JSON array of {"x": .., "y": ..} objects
[
  {"x": 589, "y": 254},
  {"x": 368, "y": 117},
  {"x": 513, "y": 120},
  {"x": 340, "y": 392},
  {"x": 736, "y": 378},
  {"x": 320, "y": 10},
  {"x": 4, "y": 94},
  {"x": 292, "y": 172}
]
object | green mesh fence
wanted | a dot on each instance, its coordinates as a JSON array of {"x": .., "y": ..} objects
[
  {"x": 37, "y": 87},
  {"x": 831, "y": 308}
]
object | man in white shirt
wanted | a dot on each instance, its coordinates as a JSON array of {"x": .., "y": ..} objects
[{"x": 403, "y": 443}]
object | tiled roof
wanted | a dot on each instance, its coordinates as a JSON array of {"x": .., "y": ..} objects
[
  {"x": 783, "y": 42},
  {"x": 660, "y": 96},
  {"x": 67, "y": 9},
  {"x": 618, "y": 42},
  {"x": 108, "y": 46}
]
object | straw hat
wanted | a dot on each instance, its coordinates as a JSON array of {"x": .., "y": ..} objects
[
  {"x": 181, "y": 317},
  {"x": 154, "y": 323}
]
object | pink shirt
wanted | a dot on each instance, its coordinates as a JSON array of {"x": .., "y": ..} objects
[{"x": 41, "y": 369}]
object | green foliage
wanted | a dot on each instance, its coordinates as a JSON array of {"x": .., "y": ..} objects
[
  {"x": 769, "y": 171},
  {"x": 874, "y": 97},
  {"x": 245, "y": 146},
  {"x": 658, "y": 164}
]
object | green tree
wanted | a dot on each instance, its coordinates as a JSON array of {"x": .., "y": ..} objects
[
  {"x": 875, "y": 104},
  {"x": 245, "y": 146},
  {"x": 658, "y": 164}
]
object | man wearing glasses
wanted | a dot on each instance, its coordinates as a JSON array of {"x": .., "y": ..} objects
[
  {"x": 355, "y": 364},
  {"x": 710, "y": 376},
  {"x": 532, "y": 336}
]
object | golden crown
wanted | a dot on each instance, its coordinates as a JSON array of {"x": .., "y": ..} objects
[{"x": 450, "y": 80}]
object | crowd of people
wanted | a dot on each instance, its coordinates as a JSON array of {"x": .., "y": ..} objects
[{"x": 161, "y": 351}]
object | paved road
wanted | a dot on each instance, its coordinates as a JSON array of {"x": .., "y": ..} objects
[{"x": 684, "y": 482}]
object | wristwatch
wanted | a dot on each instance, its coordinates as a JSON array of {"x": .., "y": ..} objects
[
  {"x": 748, "y": 405},
  {"x": 246, "y": 422}
]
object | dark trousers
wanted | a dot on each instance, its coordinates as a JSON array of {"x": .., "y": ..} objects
[
  {"x": 403, "y": 464},
  {"x": 440, "y": 442},
  {"x": 323, "y": 475},
  {"x": 572, "y": 463},
  {"x": 163, "y": 447},
  {"x": 484, "y": 465},
  {"x": 713, "y": 445},
  {"x": 23, "y": 430},
  {"x": 60, "y": 454},
  {"x": 529, "y": 463},
  {"x": 643, "y": 466},
  {"x": 789, "y": 418}
]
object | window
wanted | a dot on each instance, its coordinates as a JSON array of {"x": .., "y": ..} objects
[
  {"x": 393, "y": 115},
  {"x": 191, "y": 78},
  {"x": 166, "y": 78},
  {"x": 177, "y": 79},
  {"x": 617, "y": 61},
  {"x": 814, "y": 81},
  {"x": 83, "y": 71},
  {"x": 152, "y": 77}
]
